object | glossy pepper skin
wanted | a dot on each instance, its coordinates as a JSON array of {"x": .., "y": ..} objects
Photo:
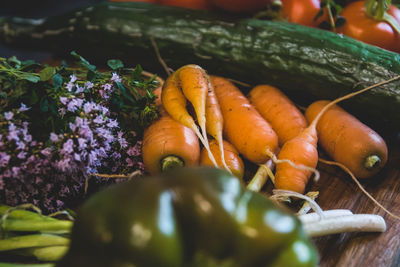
[{"x": 186, "y": 217}]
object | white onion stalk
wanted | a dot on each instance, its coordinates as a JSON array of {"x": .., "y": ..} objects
[
  {"x": 314, "y": 217},
  {"x": 320, "y": 223},
  {"x": 346, "y": 223}
]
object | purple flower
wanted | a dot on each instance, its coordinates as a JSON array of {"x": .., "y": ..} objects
[
  {"x": 23, "y": 107},
  {"x": 13, "y": 135},
  {"x": 63, "y": 164},
  {"x": 79, "y": 121},
  {"x": 112, "y": 124},
  {"x": 79, "y": 89},
  {"x": 106, "y": 134},
  {"x": 74, "y": 104},
  {"x": 129, "y": 162},
  {"x": 116, "y": 155},
  {"x": 15, "y": 171},
  {"x": 104, "y": 110},
  {"x": 89, "y": 85},
  {"x": 92, "y": 159},
  {"x": 122, "y": 141},
  {"x": 21, "y": 155},
  {"x": 101, "y": 152},
  {"x": 88, "y": 107},
  {"x": 8, "y": 115},
  {"x": 4, "y": 159},
  {"x": 72, "y": 126},
  {"x": 53, "y": 137},
  {"x": 107, "y": 87},
  {"x": 82, "y": 143},
  {"x": 99, "y": 119},
  {"x": 72, "y": 78},
  {"x": 63, "y": 100},
  {"x": 77, "y": 157},
  {"x": 28, "y": 138},
  {"x": 115, "y": 77},
  {"x": 20, "y": 145},
  {"x": 68, "y": 147},
  {"x": 46, "y": 152},
  {"x": 62, "y": 111},
  {"x": 70, "y": 86},
  {"x": 133, "y": 151},
  {"x": 86, "y": 132}
]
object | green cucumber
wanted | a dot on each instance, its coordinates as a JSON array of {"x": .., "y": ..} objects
[{"x": 306, "y": 63}]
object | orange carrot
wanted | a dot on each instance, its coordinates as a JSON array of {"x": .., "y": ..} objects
[
  {"x": 301, "y": 151},
  {"x": 298, "y": 157},
  {"x": 168, "y": 144},
  {"x": 244, "y": 127},
  {"x": 174, "y": 102},
  {"x": 195, "y": 85},
  {"x": 233, "y": 160},
  {"x": 215, "y": 123},
  {"x": 284, "y": 117},
  {"x": 349, "y": 141}
]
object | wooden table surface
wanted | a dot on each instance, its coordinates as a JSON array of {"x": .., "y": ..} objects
[{"x": 337, "y": 190}]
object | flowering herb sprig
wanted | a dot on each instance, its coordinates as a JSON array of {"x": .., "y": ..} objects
[{"x": 67, "y": 123}]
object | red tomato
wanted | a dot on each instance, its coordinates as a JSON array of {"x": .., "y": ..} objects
[
  {"x": 361, "y": 27},
  {"x": 302, "y": 12},
  {"x": 194, "y": 4},
  {"x": 241, "y": 6},
  {"x": 149, "y": 1}
]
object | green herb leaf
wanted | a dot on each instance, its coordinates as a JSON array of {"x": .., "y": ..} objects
[
  {"x": 47, "y": 73},
  {"x": 137, "y": 73},
  {"x": 15, "y": 61},
  {"x": 83, "y": 61},
  {"x": 29, "y": 77},
  {"x": 34, "y": 98},
  {"x": 91, "y": 75},
  {"x": 57, "y": 81},
  {"x": 115, "y": 64}
]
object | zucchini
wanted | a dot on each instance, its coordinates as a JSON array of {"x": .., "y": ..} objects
[{"x": 306, "y": 63}]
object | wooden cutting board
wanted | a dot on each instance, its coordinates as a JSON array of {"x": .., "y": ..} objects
[{"x": 337, "y": 190}]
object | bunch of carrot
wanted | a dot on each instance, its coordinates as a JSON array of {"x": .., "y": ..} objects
[
  {"x": 265, "y": 127},
  {"x": 190, "y": 113}
]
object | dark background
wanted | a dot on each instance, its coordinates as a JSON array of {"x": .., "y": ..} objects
[{"x": 35, "y": 9}]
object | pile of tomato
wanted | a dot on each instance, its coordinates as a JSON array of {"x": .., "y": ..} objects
[{"x": 347, "y": 17}]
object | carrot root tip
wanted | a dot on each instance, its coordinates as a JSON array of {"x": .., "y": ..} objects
[
  {"x": 171, "y": 162},
  {"x": 372, "y": 161}
]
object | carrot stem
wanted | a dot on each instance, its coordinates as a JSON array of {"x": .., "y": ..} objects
[
  {"x": 260, "y": 178},
  {"x": 171, "y": 162},
  {"x": 372, "y": 161},
  {"x": 330, "y": 104}
]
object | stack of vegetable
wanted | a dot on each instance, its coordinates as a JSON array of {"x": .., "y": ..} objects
[{"x": 266, "y": 126}]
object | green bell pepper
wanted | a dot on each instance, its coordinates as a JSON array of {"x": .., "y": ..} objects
[{"x": 186, "y": 217}]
